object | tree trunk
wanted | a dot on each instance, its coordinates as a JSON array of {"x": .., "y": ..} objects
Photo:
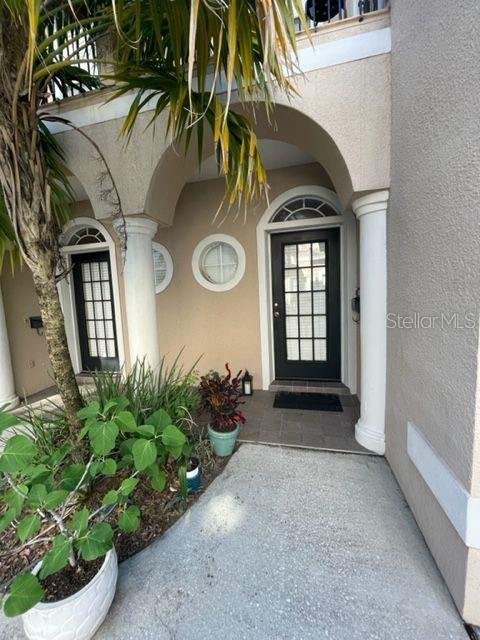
[
  {"x": 25, "y": 176},
  {"x": 56, "y": 337}
]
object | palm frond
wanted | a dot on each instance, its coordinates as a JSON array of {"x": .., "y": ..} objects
[
  {"x": 189, "y": 57},
  {"x": 61, "y": 192}
]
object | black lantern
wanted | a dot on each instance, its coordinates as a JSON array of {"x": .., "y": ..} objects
[{"x": 247, "y": 385}]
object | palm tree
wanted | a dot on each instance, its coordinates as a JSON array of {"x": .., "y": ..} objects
[{"x": 174, "y": 52}]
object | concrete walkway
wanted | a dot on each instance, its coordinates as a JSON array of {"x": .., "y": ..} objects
[{"x": 287, "y": 544}]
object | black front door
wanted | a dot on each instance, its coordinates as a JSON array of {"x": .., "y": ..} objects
[
  {"x": 306, "y": 304},
  {"x": 95, "y": 311}
]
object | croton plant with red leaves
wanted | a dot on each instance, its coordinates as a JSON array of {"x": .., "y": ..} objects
[{"x": 220, "y": 396}]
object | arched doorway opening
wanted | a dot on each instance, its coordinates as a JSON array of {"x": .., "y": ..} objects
[
  {"x": 307, "y": 269},
  {"x": 90, "y": 297}
]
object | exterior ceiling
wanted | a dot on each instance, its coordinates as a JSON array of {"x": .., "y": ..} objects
[{"x": 275, "y": 154}]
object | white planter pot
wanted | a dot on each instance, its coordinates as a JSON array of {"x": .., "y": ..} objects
[{"x": 78, "y": 616}]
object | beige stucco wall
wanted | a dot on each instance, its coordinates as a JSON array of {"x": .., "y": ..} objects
[
  {"x": 225, "y": 326},
  {"x": 31, "y": 367},
  {"x": 28, "y": 350},
  {"x": 434, "y": 265}
]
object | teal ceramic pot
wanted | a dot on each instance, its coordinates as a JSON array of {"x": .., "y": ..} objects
[
  {"x": 193, "y": 477},
  {"x": 223, "y": 443}
]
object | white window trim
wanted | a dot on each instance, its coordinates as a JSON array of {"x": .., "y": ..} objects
[
  {"x": 161, "y": 248},
  {"x": 197, "y": 253},
  {"x": 348, "y": 278},
  {"x": 67, "y": 293}
]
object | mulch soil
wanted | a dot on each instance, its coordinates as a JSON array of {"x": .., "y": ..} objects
[{"x": 158, "y": 512}]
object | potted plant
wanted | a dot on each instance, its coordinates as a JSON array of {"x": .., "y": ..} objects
[
  {"x": 65, "y": 511},
  {"x": 220, "y": 397},
  {"x": 194, "y": 477}
]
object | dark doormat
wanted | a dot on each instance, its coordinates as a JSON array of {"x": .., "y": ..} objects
[{"x": 307, "y": 401}]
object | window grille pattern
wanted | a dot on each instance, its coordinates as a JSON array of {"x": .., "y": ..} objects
[
  {"x": 305, "y": 277},
  {"x": 219, "y": 263},
  {"x": 159, "y": 267},
  {"x": 304, "y": 208},
  {"x": 86, "y": 235},
  {"x": 162, "y": 266},
  {"x": 97, "y": 295}
]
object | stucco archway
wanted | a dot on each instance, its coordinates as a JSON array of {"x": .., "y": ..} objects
[{"x": 285, "y": 123}]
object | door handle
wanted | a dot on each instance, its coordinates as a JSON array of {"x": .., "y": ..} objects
[{"x": 276, "y": 314}]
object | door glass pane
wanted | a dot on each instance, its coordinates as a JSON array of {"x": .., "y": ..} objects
[
  {"x": 97, "y": 290},
  {"x": 290, "y": 253},
  {"x": 291, "y": 280},
  {"x": 305, "y": 326},
  {"x": 292, "y": 350},
  {"x": 292, "y": 326},
  {"x": 95, "y": 270},
  {"x": 318, "y": 253},
  {"x": 86, "y": 272},
  {"x": 92, "y": 348},
  {"x": 87, "y": 291},
  {"x": 319, "y": 302},
  {"x": 100, "y": 330},
  {"x": 305, "y": 279},
  {"x": 109, "y": 333},
  {"x": 305, "y": 303},
  {"x": 320, "y": 326},
  {"x": 102, "y": 348},
  {"x": 306, "y": 349},
  {"x": 318, "y": 277},
  {"x": 304, "y": 255},
  {"x": 91, "y": 329},
  {"x": 291, "y": 304},
  {"x": 107, "y": 310},
  {"x": 320, "y": 349}
]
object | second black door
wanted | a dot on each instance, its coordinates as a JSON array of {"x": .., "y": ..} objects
[
  {"x": 306, "y": 304},
  {"x": 95, "y": 311}
]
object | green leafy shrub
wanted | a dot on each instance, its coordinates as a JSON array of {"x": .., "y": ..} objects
[
  {"x": 170, "y": 388},
  {"x": 48, "y": 426},
  {"x": 43, "y": 494}
]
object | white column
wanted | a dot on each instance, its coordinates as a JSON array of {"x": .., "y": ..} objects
[
  {"x": 140, "y": 302},
  {"x": 371, "y": 210},
  {"x": 7, "y": 385}
]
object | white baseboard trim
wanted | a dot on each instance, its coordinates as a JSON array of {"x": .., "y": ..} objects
[{"x": 462, "y": 509}]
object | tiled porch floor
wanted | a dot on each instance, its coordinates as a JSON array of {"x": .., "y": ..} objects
[{"x": 332, "y": 431}]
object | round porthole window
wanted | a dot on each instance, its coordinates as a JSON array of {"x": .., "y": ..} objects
[
  {"x": 218, "y": 262},
  {"x": 162, "y": 266}
]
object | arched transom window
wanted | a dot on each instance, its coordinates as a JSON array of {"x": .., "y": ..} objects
[
  {"x": 86, "y": 235},
  {"x": 304, "y": 208}
]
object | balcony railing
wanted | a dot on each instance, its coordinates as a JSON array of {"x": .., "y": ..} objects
[{"x": 319, "y": 12}]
